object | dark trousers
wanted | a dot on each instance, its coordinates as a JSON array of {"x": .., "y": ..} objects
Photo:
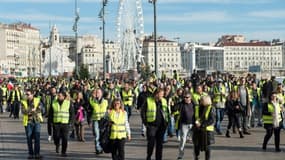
[
  {"x": 244, "y": 118},
  {"x": 155, "y": 136},
  {"x": 269, "y": 132},
  {"x": 49, "y": 128},
  {"x": 118, "y": 149},
  {"x": 233, "y": 120},
  {"x": 33, "y": 131},
  {"x": 15, "y": 109},
  {"x": 1, "y": 106},
  {"x": 128, "y": 109},
  {"x": 60, "y": 131},
  {"x": 197, "y": 149}
]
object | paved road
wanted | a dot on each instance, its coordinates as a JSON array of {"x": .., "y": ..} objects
[{"x": 13, "y": 145}]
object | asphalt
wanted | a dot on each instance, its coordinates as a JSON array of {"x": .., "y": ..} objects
[{"x": 13, "y": 145}]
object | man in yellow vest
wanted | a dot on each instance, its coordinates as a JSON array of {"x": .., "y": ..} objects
[
  {"x": 128, "y": 96},
  {"x": 32, "y": 117},
  {"x": 61, "y": 114},
  {"x": 155, "y": 116},
  {"x": 219, "y": 99},
  {"x": 98, "y": 108},
  {"x": 14, "y": 100}
]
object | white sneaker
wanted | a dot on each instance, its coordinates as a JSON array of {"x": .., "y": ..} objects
[
  {"x": 178, "y": 138},
  {"x": 49, "y": 138}
]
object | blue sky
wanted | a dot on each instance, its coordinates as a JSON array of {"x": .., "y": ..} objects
[{"x": 191, "y": 20}]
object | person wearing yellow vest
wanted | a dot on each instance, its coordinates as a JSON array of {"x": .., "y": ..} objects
[
  {"x": 98, "y": 108},
  {"x": 256, "y": 109},
  {"x": 243, "y": 94},
  {"x": 120, "y": 129},
  {"x": 219, "y": 99},
  {"x": 197, "y": 94},
  {"x": 61, "y": 114},
  {"x": 4, "y": 96},
  {"x": 1, "y": 98},
  {"x": 203, "y": 127},
  {"x": 127, "y": 95},
  {"x": 32, "y": 117},
  {"x": 14, "y": 101},
  {"x": 272, "y": 122},
  {"x": 155, "y": 116}
]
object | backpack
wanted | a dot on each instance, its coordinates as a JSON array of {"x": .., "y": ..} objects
[{"x": 105, "y": 131}]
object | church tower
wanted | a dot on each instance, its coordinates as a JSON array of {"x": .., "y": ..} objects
[{"x": 54, "y": 36}]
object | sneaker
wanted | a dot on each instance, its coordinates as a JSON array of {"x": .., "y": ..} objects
[
  {"x": 178, "y": 138},
  {"x": 99, "y": 152},
  {"x": 179, "y": 158},
  {"x": 49, "y": 139}
]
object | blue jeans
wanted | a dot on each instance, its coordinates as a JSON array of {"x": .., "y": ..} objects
[
  {"x": 170, "y": 129},
  {"x": 33, "y": 131},
  {"x": 219, "y": 118},
  {"x": 128, "y": 109},
  {"x": 96, "y": 132}
]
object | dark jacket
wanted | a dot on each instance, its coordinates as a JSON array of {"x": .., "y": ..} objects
[
  {"x": 231, "y": 107},
  {"x": 200, "y": 135}
]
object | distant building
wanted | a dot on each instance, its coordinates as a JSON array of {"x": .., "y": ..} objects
[
  {"x": 19, "y": 49},
  {"x": 202, "y": 57},
  {"x": 168, "y": 55},
  {"x": 238, "y": 57}
]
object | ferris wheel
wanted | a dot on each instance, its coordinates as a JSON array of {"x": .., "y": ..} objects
[{"x": 130, "y": 34}]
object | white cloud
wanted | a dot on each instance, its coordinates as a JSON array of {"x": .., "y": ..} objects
[
  {"x": 211, "y": 16},
  {"x": 268, "y": 14}
]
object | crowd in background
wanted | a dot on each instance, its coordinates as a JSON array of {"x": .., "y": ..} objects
[{"x": 182, "y": 107}]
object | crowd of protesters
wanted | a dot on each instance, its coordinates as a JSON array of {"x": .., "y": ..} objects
[{"x": 181, "y": 107}]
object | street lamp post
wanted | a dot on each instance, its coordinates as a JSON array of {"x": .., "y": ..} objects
[
  {"x": 154, "y": 35},
  {"x": 102, "y": 16},
  {"x": 76, "y": 37}
]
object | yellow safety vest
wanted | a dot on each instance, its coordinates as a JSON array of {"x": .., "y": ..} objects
[
  {"x": 99, "y": 110},
  {"x": 61, "y": 113},
  {"x": 4, "y": 89},
  {"x": 268, "y": 119},
  {"x": 127, "y": 97},
  {"x": 151, "y": 109},
  {"x": 36, "y": 105},
  {"x": 217, "y": 96},
  {"x": 118, "y": 129},
  {"x": 197, "y": 117},
  {"x": 13, "y": 95},
  {"x": 196, "y": 97}
]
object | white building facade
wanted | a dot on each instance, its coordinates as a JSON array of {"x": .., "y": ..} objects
[
  {"x": 168, "y": 55},
  {"x": 19, "y": 50}
]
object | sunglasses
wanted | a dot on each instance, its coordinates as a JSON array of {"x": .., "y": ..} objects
[
  {"x": 187, "y": 97},
  {"x": 28, "y": 94}
]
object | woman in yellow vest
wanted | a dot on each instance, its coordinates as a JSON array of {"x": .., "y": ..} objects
[
  {"x": 203, "y": 131},
  {"x": 120, "y": 129},
  {"x": 272, "y": 121}
]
